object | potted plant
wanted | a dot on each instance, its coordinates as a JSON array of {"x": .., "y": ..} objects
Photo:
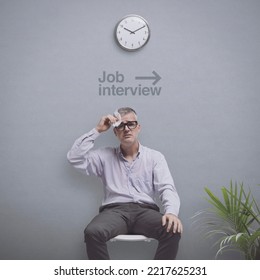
[{"x": 234, "y": 219}]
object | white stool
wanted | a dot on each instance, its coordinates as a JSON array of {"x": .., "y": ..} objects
[{"x": 131, "y": 238}]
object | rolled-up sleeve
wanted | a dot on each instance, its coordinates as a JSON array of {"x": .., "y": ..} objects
[{"x": 82, "y": 157}]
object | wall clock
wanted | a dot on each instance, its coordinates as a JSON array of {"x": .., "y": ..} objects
[{"x": 132, "y": 32}]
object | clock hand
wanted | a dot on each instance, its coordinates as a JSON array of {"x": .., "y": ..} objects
[
  {"x": 138, "y": 29},
  {"x": 131, "y": 32}
]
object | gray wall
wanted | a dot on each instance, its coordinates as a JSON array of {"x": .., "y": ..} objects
[{"x": 205, "y": 120}]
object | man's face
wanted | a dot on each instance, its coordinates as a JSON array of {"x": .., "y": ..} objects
[{"x": 128, "y": 134}]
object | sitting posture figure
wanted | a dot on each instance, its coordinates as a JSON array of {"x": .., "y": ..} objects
[{"x": 132, "y": 175}]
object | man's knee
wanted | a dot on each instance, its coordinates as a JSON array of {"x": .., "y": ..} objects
[
  {"x": 93, "y": 231},
  {"x": 170, "y": 236}
]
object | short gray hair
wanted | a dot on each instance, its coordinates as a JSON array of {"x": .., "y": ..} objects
[{"x": 126, "y": 110}]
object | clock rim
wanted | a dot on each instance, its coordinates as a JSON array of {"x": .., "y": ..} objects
[{"x": 126, "y": 48}]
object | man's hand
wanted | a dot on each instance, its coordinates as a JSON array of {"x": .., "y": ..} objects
[
  {"x": 173, "y": 223},
  {"x": 105, "y": 123}
]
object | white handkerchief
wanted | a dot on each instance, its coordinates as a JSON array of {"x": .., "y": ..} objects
[{"x": 118, "y": 116}]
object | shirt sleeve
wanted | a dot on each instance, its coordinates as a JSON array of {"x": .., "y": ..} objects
[
  {"x": 165, "y": 186},
  {"x": 82, "y": 157}
]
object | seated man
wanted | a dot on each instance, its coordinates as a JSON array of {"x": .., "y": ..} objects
[{"x": 132, "y": 175}]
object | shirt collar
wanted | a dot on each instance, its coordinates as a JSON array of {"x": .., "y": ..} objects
[{"x": 140, "y": 151}]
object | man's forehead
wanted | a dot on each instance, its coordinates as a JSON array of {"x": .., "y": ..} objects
[{"x": 129, "y": 117}]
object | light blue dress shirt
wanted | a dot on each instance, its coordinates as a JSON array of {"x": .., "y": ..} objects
[{"x": 142, "y": 180}]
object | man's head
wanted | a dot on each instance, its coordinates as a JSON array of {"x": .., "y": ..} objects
[
  {"x": 126, "y": 110},
  {"x": 127, "y": 132}
]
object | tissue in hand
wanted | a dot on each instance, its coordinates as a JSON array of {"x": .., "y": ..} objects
[{"x": 118, "y": 116}]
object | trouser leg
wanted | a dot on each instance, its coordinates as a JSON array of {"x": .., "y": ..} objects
[
  {"x": 149, "y": 223},
  {"x": 168, "y": 246},
  {"x": 106, "y": 225}
]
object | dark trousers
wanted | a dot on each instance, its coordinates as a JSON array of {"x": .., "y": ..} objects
[{"x": 129, "y": 218}]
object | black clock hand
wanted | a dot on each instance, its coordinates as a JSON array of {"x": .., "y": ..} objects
[
  {"x": 138, "y": 29},
  {"x": 131, "y": 32}
]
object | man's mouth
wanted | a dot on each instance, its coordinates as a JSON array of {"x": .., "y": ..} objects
[{"x": 127, "y": 135}]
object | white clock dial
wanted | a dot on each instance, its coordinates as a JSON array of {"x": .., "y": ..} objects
[{"x": 132, "y": 32}]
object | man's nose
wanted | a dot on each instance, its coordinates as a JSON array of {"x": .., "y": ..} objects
[{"x": 126, "y": 128}]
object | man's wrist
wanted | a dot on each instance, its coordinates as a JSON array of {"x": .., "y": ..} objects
[{"x": 98, "y": 129}]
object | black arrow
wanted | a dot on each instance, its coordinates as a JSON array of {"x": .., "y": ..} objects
[{"x": 156, "y": 78}]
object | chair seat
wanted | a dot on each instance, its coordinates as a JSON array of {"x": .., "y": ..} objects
[{"x": 131, "y": 237}]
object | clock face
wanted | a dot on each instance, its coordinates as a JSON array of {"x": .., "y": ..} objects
[{"x": 132, "y": 32}]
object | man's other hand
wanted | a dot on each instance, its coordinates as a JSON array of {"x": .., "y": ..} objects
[{"x": 172, "y": 222}]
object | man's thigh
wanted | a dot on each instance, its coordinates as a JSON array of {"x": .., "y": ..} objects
[
  {"x": 148, "y": 223},
  {"x": 107, "y": 224}
]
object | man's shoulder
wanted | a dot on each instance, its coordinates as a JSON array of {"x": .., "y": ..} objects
[
  {"x": 152, "y": 152},
  {"x": 107, "y": 150},
  {"x": 102, "y": 152}
]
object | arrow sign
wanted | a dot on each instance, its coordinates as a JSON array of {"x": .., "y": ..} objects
[{"x": 156, "y": 78}]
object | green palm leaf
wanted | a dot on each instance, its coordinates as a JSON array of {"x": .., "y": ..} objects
[{"x": 234, "y": 218}]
